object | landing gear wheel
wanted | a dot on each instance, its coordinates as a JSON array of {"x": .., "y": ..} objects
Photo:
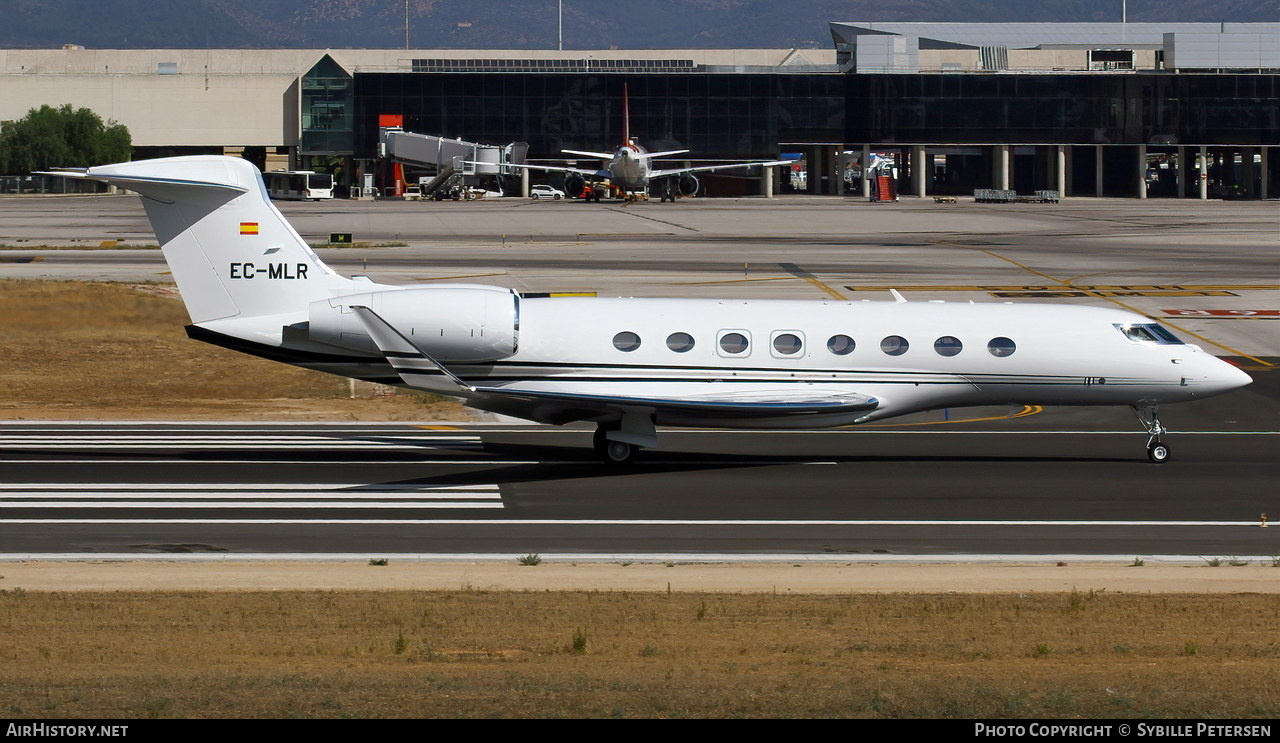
[
  {"x": 1157, "y": 452},
  {"x": 612, "y": 452},
  {"x": 619, "y": 452}
]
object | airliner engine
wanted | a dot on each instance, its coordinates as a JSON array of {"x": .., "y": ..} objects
[
  {"x": 461, "y": 323},
  {"x": 688, "y": 185},
  {"x": 573, "y": 185}
]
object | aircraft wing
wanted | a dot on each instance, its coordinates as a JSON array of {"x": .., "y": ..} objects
[
  {"x": 561, "y": 406},
  {"x": 704, "y": 168},
  {"x": 420, "y": 371},
  {"x": 551, "y": 168},
  {"x": 601, "y": 155},
  {"x": 650, "y": 155}
]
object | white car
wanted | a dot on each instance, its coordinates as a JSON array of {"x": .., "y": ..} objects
[{"x": 545, "y": 192}]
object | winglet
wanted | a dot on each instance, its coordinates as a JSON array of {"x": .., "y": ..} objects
[{"x": 414, "y": 367}]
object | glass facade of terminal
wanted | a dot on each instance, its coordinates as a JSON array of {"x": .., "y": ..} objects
[
  {"x": 751, "y": 115},
  {"x": 327, "y": 96},
  {"x": 714, "y": 115},
  {"x": 1156, "y": 108}
]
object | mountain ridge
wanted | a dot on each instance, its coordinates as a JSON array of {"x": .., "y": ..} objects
[{"x": 510, "y": 24}]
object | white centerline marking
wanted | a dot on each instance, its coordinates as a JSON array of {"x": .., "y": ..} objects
[
  {"x": 283, "y": 505},
  {"x": 641, "y": 522},
  {"x": 32, "y": 497},
  {"x": 172, "y": 487}
]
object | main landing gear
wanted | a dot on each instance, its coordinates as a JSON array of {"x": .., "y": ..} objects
[
  {"x": 1149, "y": 417},
  {"x": 613, "y": 452}
]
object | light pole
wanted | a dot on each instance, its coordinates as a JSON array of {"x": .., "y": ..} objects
[{"x": 561, "y": 24}]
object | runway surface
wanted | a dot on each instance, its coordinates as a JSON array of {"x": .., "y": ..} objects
[
  {"x": 1046, "y": 482},
  {"x": 960, "y": 483}
]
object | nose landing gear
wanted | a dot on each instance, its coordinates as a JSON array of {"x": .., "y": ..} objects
[{"x": 1149, "y": 417}]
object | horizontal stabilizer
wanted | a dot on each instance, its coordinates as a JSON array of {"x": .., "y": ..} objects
[{"x": 159, "y": 188}]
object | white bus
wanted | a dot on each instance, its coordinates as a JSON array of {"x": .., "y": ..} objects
[{"x": 299, "y": 184}]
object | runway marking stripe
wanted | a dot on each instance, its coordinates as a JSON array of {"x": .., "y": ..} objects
[
  {"x": 633, "y": 522},
  {"x": 255, "y": 487},
  {"x": 28, "y": 498},
  {"x": 353, "y": 437},
  {"x": 406, "y": 505},
  {"x": 229, "y": 446}
]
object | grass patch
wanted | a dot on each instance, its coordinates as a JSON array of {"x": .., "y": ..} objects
[
  {"x": 105, "y": 350},
  {"x": 480, "y": 653}
]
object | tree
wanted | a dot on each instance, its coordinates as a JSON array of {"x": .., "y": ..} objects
[{"x": 49, "y": 137}]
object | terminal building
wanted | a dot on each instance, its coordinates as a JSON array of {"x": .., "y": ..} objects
[{"x": 1188, "y": 110}]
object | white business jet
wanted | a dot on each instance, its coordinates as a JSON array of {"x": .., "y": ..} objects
[
  {"x": 251, "y": 284},
  {"x": 630, "y": 168}
]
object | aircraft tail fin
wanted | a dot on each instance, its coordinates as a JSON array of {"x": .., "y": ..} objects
[
  {"x": 626, "y": 117},
  {"x": 230, "y": 250}
]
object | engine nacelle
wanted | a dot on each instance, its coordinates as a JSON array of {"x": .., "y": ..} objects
[
  {"x": 573, "y": 185},
  {"x": 688, "y": 184},
  {"x": 460, "y": 323}
]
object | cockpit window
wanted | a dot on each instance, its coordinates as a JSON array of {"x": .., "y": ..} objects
[{"x": 1149, "y": 333}]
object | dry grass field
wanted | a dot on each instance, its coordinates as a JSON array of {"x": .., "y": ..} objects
[
  {"x": 474, "y": 653},
  {"x": 84, "y": 350}
]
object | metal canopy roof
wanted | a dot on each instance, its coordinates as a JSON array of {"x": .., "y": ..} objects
[{"x": 1033, "y": 35}]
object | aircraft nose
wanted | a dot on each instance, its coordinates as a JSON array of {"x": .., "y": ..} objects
[{"x": 1225, "y": 377}]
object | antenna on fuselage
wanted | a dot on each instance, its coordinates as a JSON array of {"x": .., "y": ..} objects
[{"x": 897, "y": 297}]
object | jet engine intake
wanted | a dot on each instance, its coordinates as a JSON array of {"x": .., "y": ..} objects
[
  {"x": 688, "y": 184},
  {"x": 573, "y": 185},
  {"x": 459, "y": 323}
]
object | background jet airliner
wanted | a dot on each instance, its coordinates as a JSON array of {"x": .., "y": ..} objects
[
  {"x": 250, "y": 283},
  {"x": 630, "y": 167}
]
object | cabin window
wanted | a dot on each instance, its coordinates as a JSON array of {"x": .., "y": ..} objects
[
  {"x": 734, "y": 343},
  {"x": 787, "y": 344},
  {"x": 948, "y": 345},
  {"x": 680, "y": 342},
  {"x": 626, "y": 341},
  {"x": 894, "y": 345},
  {"x": 1149, "y": 333},
  {"x": 1001, "y": 347},
  {"x": 840, "y": 345}
]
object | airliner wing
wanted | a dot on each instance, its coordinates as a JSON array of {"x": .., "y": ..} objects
[
  {"x": 651, "y": 155},
  {"x": 569, "y": 406},
  {"x": 705, "y": 168},
  {"x": 601, "y": 155},
  {"x": 550, "y": 168}
]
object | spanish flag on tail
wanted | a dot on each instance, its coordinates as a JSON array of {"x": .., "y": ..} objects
[{"x": 248, "y": 228}]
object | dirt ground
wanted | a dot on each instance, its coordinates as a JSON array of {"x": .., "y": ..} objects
[{"x": 810, "y": 578}]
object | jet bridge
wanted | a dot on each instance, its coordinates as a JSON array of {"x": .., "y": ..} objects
[{"x": 445, "y": 161}]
